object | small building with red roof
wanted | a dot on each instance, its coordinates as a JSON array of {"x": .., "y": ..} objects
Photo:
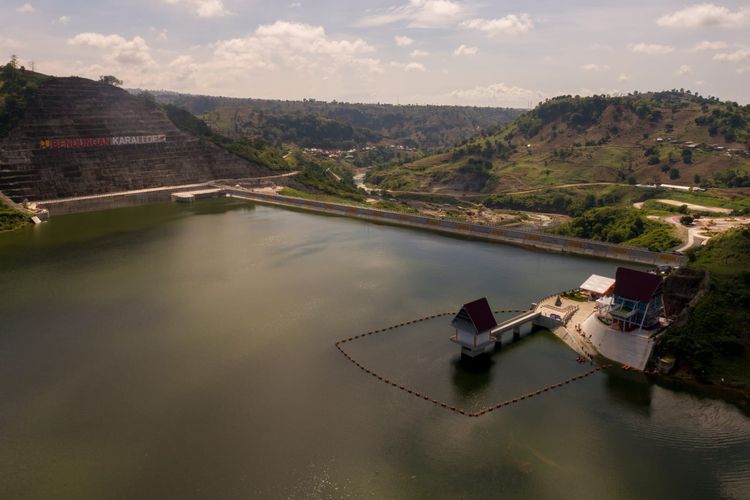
[
  {"x": 638, "y": 299},
  {"x": 473, "y": 324}
]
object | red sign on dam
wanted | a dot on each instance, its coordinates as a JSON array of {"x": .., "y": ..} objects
[{"x": 90, "y": 142}]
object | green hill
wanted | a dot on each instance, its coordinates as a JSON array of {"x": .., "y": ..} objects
[
  {"x": 662, "y": 137},
  {"x": 714, "y": 344},
  {"x": 17, "y": 86},
  {"x": 337, "y": 125}
]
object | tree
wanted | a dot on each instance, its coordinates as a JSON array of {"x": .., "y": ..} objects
[
  {"x": 686, "y": 220},
  {"x": 687, "y": 155},
  {"x": 110, "y": 80}
]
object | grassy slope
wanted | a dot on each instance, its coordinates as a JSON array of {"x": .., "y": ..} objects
[
  {"x": 715, "y": 343},
  {"x": 11, "y": 219},
  {"x": 256, "y": 151},
  {"x": 543, "y": 149}
]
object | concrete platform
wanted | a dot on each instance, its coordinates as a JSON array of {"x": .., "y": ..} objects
[{"x": 191, "y": 196}]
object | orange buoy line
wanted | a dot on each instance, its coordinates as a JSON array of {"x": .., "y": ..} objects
[{"x": 443, "y": 404}]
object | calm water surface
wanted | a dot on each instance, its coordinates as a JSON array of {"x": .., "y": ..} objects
[{"x": 187, "y": 352}]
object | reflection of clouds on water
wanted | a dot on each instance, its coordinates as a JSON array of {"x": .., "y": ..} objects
[{"x": 197, "y": 354}]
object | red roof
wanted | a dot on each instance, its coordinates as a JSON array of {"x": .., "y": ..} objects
[
  {"x": 636, "y": 285},
  {"x": 479, "y": 314}
]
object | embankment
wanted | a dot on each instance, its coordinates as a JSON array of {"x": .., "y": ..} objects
[{"x": 540, "y": 241}]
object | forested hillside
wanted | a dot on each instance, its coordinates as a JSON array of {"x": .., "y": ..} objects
[
  {"x": 336, "y": 125},
  {"x": 714, "y": 343}
]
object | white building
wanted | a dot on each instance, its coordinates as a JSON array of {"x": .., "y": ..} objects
[{"x": 473, "y": 324}]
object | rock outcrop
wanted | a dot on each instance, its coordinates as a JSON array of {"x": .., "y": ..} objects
[{"x": 69, "y": 143}]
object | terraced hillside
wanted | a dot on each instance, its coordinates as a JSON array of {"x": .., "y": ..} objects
[
  {"x": 80, "y": 137},
  {"x": 664, "y": 137}
]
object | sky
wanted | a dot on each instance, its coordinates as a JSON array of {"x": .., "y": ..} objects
[{"x": 466, "y": 52}]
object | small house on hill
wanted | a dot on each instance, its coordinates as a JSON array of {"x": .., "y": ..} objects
[
  {"x": 473, "y": 324},
  {"x": 638, "y": 299}
]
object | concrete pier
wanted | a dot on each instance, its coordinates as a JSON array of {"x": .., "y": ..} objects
[{"x": 202, "y": 194}]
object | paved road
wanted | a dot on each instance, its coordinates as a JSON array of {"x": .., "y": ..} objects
[{"x": 468, "y": 196}]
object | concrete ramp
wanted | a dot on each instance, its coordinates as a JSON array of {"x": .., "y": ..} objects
[{"x": 628, "y": 348}]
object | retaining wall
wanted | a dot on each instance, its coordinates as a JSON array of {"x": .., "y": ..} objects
[
  {"x": 540, "y": 241},
  {"x": 68, "y": 145}
]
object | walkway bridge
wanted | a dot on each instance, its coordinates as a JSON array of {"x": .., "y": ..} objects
[{"x": 519, "y": 325}]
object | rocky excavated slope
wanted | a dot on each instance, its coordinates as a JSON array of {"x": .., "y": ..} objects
[{"x": 79, "y": 137}]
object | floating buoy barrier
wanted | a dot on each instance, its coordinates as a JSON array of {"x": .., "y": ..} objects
[{"x": 443, "y": 404}]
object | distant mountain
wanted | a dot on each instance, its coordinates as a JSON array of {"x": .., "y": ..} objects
[
  {"x": 661, "y": 137},
  {"x": 336, "y": 125}
]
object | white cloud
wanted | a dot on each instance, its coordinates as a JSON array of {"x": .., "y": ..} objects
[
  {"x": 704, "y": 14},
  {"x": 743, "y": 70},
  {"x": 463, "y": 50},
  {"x": 26, "y": 8},
  {"x": 403, "y": 41},
  {"x": 736, "y": 56},
  {"x": 706, "y": 45},
  {"x": 125, "y": 52},
  {"x": 295, "y": 5},
  {"x": 683, "y": 70},
  {"x": 511, "y": 24},
  {"x": 412, "y": 66},
  {"x": 9, "y": 43},
  {"x": 418, "y": 14},
  {"x": 296, "y": 46},
  {"x": 497, "y": 94},
  {"x": 203, "y": 8},
  {"x": 651, "y": 49},
  {"x": 622, "y": 77},
  {"x": 594, "y": 67},
  {"x": 64, "y": 20},
  {"x": 419, "y": 53}
]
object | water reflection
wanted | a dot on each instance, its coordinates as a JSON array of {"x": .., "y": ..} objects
[
  {"x": 630, "y": 388},
  {"x": 471, "y": 377}
]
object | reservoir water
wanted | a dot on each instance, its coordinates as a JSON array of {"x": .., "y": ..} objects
[{"x": 174, "y": 351}]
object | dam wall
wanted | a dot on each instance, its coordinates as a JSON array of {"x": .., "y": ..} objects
[
  {"x": 79, "y": 138},
  {"x": 529, "y": 239},
  {"x": 95, "y": 203}
]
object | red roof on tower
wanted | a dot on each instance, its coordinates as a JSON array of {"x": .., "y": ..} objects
[
  {"x": 475, "y": 315},
  {"x": 636, "y": 285}
]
